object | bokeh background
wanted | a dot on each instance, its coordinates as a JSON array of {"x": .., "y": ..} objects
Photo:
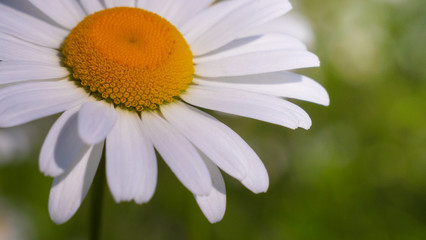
[{"x": 359, "y": 173}]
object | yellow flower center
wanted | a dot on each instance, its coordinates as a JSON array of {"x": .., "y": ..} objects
[{"x": 128, "y": 56}]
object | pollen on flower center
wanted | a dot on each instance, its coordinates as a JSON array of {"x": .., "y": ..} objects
[{"x": 131, "y": 57}]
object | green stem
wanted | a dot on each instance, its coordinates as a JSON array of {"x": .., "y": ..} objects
[{"x": 96, "y": 204}]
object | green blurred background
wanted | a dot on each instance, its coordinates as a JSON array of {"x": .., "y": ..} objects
[{"x": 359, "y": 173}]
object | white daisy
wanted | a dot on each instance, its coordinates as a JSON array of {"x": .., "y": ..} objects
[{"x": 131, "y": 74}]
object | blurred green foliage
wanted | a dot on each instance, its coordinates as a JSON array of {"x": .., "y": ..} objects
[{"x": 359, "y": 173}]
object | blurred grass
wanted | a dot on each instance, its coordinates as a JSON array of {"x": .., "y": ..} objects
[{"x": 359, "y": 173}]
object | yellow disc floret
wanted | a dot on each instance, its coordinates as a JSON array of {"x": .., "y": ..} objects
[{"x": 131, "y": 57}]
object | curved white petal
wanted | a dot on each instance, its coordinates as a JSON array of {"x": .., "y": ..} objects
[
  {"x": 67, "y": 13},
  {"x": 13, "y": 71},
  {"x": 179, "y": 154},
  {"x": 158, "y": 6},
  {"x": 69, "y": 189},
  {"x": 109, "y": 3},
  {"x": 257, "y": 62},
  {"x": 178, "y": 11},
  {"x": 95, "y": 121},
  {"x": 183, "y": 10},
  {"x": 230, "y": 27},
  {"x": 149, "y": 172},
  {"x": 91, "y": 6},
  {"x": 248, "y": 104},
  {"x": 120, "y": 3},
  {"x": 25, "y": 102},
  {"x": 131, "y": 166},
  {"x": 142, "y": 4},
  {"x": 213, "y": 205},
  {"x": 14, "y": 49},
  {"x": 268, "y": 42},
  {"x": 63, "y": 147},
  {"x": 291, "y": 24},
  {"x": 175, "y": 11},
  {"x": 147, "y": 187},
  {"x": 223, "y": 143},
  {"x": 205, "y": 134},
  {"x": 280, "y": 84},
  {"x": 200, "y": 24},
  {"x": 29, "y": 28}
]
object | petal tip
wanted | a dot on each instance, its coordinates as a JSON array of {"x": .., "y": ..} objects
[
  {"x": 215, "y": 219},
  {"x": 256, "y": 188},
  {"x": 326, "y": 101},
  {"x": 58, "y": 216}
]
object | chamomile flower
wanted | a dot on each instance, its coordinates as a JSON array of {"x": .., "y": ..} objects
[{"x": 131, "y": 75}]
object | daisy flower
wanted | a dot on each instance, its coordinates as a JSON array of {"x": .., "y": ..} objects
[{"x": 132, "y": 75}]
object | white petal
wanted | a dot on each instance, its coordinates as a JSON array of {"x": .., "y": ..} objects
[
  {"x": 204, "y": 21},
  {"x": 63, "y": 147},
  {"x": 14, "y": 49},
  {"x": 95, "y": 121},
  {"x": 120, "y": 3},
  {"x": 203, "y": 132},
  {"x": 149, "y": 180},
  {"x": 91, "y": 6},
  {"x": 291, "y": 24},
  {"x": 248, "y": 104},
  {"x": 179, "y": 154},
  {"x": 257, "y": 62},
  {"x": 158, "y": 6},
  {"x": 143, "y": 3},
  {"x": 25, "y": 102},
  {"x": 233, "y": 25},
  {"x": 67, "y": 13},
  {"x": 255, "y": 174},
  {"x": 175, "y": 11},
  {"x": 268, "y": 42},
  {"x": 131, "y": 165},
  {"x": 257, "y": 179},
  {"x": 179, "y": 11},
  {"x": 280, "y": 84},
  {"x": 74, "y": 8},
  {"x": 69, "y": 190},
  {"x": 149, "y": 173},
  {"x": 29, "y": 28},
  {"x": 109, "y": 3},
  {"x": 18, "y": 71},
  {"x": 213, "y": 205}
]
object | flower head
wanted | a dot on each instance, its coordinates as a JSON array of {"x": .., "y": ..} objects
[{"x": 129, "y": 75}]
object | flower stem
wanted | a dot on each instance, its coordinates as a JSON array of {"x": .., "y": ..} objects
[{"x": 96, "y": 201}]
